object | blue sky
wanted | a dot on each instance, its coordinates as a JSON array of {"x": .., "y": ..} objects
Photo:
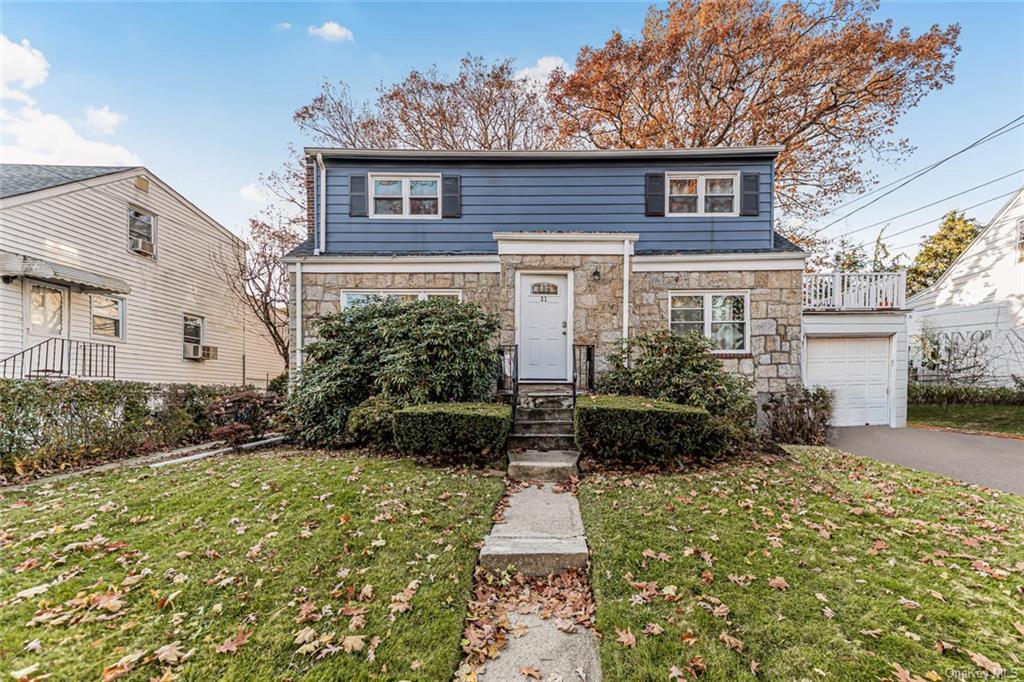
[{"x": 203, "y": 94}]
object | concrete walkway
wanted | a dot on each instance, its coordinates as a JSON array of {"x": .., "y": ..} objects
[{"x": 984, "y": 460}]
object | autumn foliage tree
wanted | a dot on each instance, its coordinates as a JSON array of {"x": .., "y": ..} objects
[
  {"x": 484, "y": 106},
  {"x": 821, "y": 78}
]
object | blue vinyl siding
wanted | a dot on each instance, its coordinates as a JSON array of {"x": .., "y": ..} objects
[{"x": 503, "y": 196}]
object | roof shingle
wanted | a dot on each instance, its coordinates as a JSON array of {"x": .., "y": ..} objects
[{"x": 22, "y": 178}]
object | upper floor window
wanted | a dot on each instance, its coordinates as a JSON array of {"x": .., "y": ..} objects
[
  {"x": 405, "y": 196},
  {"x": 722, "y": 316},
  {"x": 141, "y": 231},
  {"x": 702, "y": 194},
  {"x": 107, "y": 316}
]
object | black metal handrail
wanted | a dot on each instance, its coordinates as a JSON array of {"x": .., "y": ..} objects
[
  {"x": 508, "y": 373},
  {"x": 582, "y": 369},
  {"x": 57, "y": 358}
]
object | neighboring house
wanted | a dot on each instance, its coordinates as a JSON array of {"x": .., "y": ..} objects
[
  {"x": 107, "y": 272},
  {"x": 976, "y": 308},
  {"x": 576, "y": 250}
]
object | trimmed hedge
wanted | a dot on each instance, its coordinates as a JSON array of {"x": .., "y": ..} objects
[
  {"x": 956, "y": 394},
  {"x": 463, "y": 433},
  {"x": 633, "y": 428},
  {"x": 46, "y": 425},
  {"x": 371, "y": 423}
]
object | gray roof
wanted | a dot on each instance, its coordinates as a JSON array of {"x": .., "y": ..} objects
[
  {"x": 782, "y": 245},
  {"x": 544, "y": 155},
  {"x": 22, "y": 178}
]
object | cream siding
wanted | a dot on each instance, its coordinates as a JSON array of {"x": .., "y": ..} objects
[
  {"x": 982, "y": 296},
  {"x": 86, "y": 227}
]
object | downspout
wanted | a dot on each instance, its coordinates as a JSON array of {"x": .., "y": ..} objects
[
  {"x": 322, "y": 216},
  {"x": 298, "y": 315},
  {"x": 625, "y": 288}
]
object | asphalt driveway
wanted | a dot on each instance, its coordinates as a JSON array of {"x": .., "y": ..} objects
[{"x": 985, "y": 460}]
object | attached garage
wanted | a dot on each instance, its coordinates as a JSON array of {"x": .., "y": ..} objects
[
  {"x": 862, "y": 357},
  {"x": 857, "y": 371}
]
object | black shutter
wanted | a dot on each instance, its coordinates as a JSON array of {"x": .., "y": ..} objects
[
  {"x": 451, "y": 196},
  {"x": 750, "y": 194},
  {"x": 358, "y": 206},
  {"x": 654, "y": 193}
]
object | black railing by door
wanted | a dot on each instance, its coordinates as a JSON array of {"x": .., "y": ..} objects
[
  {"x": 60, "y": 358},
  {"x": 508, "y": 373},
  {"x": 582, "y": 369}
]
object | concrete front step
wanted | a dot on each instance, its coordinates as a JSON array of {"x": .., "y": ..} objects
[
  {"x": 545, "y": 414},
  {"x": 518, "y": 442},
  {"x": 542, "y": 534},
  {"x": 534, "y": 465},
  {"x": 542, "y": 400},
  {"x": 540, "y": 427}
]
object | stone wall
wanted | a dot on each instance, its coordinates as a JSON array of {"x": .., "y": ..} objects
[
  {"x": 597, "y": 305},
  {"x": 775, "y": 309}
]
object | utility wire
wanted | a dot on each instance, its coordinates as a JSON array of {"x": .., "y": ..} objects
[
  {"x": 929, "y": 205},
  {"x": 927, "y": 169}
]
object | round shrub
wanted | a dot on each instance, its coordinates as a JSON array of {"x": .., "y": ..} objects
[
  {"x": 638, "y": 429},
  {"x": 437, "y": 350},
  {"x": 681, "y": 368},
  {"x": 370, "y": 423},
  {"x": 799, "y": 416},
  {"x": 457, "y": 433}
]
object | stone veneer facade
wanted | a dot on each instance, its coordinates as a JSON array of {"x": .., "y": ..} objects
[{"x": 774, "y": 359}]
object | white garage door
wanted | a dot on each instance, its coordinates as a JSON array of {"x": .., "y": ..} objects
[{"x": 857, "y": 370}]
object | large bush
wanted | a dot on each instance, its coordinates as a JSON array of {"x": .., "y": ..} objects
[
  {"x": 244, "y": 416},
  {"x": 638, "y": 429},
  {"x": 370, "y": 423},
  {"x": 956, "y": 394},
  {"x": 460, "y": 433},
  {"x": 799, "y": 416},
  {"x": 438, "y": 350},
  {"x": 681, "y": 368}
]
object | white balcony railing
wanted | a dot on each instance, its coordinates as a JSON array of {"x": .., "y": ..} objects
[{"x": 855, "y": 290}]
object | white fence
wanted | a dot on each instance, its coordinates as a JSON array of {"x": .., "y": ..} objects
[{"x": 855, "y": 290}]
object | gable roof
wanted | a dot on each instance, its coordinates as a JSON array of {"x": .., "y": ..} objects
[
  {"x": 22, "y": 178},
  {"x": 919, "y": 296}
]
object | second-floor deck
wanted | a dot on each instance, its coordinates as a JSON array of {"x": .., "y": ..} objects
[{"x": 855, "y": 291}]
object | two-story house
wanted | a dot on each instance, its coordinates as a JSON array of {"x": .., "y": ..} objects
[
  {"x": 573, "y": 250},
  {"x": 107, "y": 272}
]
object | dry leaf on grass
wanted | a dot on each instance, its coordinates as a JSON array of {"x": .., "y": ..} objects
[{"x": 625, "y": 637}]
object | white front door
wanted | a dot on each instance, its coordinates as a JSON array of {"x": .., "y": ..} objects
[
  {"x": 857, "y": 371},
  {"x": 46, "y": 311},
  {"x": 543, "y": 327}
]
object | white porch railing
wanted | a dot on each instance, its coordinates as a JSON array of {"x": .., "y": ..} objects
[{"x": 855, "y": 290}]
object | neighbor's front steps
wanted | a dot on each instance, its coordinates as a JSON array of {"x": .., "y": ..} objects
[{"x": 542, "y": 534}]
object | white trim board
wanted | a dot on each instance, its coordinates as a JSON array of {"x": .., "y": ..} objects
[
  {"x": 397, "y": 264},
  {"x": 711, "y": 262},
  {"x": 564, "y": 243}
]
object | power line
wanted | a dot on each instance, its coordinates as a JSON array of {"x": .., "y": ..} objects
[
  {"x": 929, "y": 205},
  {"x": 936, "y": 219},
  {"x": 991, "y": 135},
  {"x": 920, "y": 170}
]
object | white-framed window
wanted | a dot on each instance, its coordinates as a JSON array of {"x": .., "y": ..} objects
[
  {"x": 193, "y": 329},
  {"x": 360, "y": 296},
  {"x": 702, "y": 194},
  {"x": 107, "y": 316},
  {"x": 722, "y": 316},
  {"x": 405, "y": 196},
  {"x": 141, "y": 224}
]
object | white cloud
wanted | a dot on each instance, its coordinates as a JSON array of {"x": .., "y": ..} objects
[
  {"x": 23, "y": 66},
  {"x": 103, "y": 120},
  {"x": 252, "y": 193},
  {"x": 331, "y": 31},
  {"x": 283, "y": 26},
  {"x": 540, "y": 72},
  {"x": 33, "y": 136}
]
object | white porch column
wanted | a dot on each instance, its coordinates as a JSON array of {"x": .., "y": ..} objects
[
  {"x": 625, "y": 288},
  {"x": 298, "y": 315}
]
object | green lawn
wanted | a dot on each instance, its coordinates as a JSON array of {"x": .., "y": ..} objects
[
  {"x": 817, "y": 566},
  {"x": 996, "y": 418},
  {"x": 311, "y": 566}
]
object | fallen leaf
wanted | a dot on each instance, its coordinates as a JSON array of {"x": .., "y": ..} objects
[
  {"x": 233, "y": 643},
  {"x": 352, "y": 643},
  {"x": 984, "y": 663},
  {"x": 625, "y": 637},
  {"x": 530, "y": 672},
  {"x": 170, "y": 653},
  {"x": 305, "y": 635},
  {"x": 778, "y": 583},
  {"x": 734, "y": 643},
  {"x": 653, "y": 629}
]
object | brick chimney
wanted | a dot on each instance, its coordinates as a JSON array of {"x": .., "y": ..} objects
[{"x": 310, "y": 196}]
